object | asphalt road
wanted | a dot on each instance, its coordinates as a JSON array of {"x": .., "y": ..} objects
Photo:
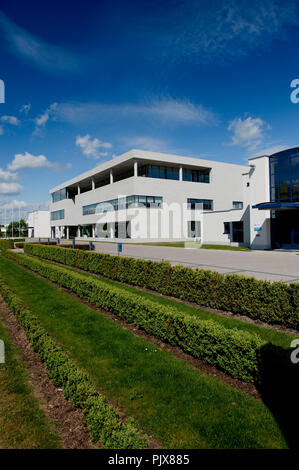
[{"x": 267, "y": 265}]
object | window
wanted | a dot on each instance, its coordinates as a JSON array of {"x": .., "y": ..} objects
[
  {"x": 158, "y": 171},
  {"x": 206, "y": 203},
  {"x": 123, "y": 203},
  {"x": 59, "y": 195},
  {"x": 197, "y": 176},
  {"x": 237, "y": 204},
  {"x": 226, "y": 227},
  {"x": 57, "y": 215},
  {"x": 238, "y": 231}
]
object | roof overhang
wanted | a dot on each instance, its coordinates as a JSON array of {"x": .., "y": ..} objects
[{"x": 276, "y": 205}]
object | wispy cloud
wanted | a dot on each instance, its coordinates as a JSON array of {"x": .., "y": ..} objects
[
  {"x": 248, "y": 132},
  {"x": 146, "y": 143},
  {"x": 14, "y": 121},
  {"x": 43, "y": 118},
  {"x": 34, "y": 50},
  {"x": 165, "y": 111},
  {"x": 201, "y": 31},
  {"x": 25, "y": 108},
  {"x": 27, "y": 160},
  {"x": 91, "y": 147}
]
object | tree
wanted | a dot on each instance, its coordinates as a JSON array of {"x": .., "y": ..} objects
[{"x": 17, "y": 229}]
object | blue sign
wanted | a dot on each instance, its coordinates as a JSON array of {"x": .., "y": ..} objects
[
  {"x": 119, "y": 247},
  {"x": 257, "y": 229}
]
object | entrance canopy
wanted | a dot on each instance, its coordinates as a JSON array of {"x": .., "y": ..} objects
[{"x": 276, "y": 205}]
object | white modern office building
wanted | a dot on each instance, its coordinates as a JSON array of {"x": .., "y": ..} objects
[
  {"x": 39, "y": 224},
  {"x": 149, "y": 196}
]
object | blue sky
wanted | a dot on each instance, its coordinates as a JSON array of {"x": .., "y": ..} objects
[{"x": 88, "y": 81}]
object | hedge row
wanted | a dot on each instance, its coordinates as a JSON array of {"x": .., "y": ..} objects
[
  {"x": 102, "y": 419},
  {"x": 6, "y": 244},
  {"x": 274, "y": 302},
  {"x": 236, "y": 352}
]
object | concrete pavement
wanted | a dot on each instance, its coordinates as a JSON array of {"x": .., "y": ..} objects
[{"x": 265, "y": 265}]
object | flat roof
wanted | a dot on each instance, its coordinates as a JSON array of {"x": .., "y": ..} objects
[{"x": 143, "y": 155}]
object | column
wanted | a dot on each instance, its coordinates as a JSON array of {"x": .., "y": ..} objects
[
  {"x": 78, "y": 231},
  {"x": 111, "y": 176},
  {"x": 135, "y": 168},
  {"x": 93, "y": 230},
  {"x": 181, "y": 173},
  {"x": 67, "y": 232},
  {"x": 78, "y": 188},
  {"x": 92, "y": 184}
]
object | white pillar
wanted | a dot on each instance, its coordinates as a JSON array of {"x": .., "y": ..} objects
[
  {"x": 78, "y": 188},
  {"x": 136, "y": 168},
  {"x": 93, "y": 231},
  {"x": 111, "y": 176},
  {"x": 67, "y": 233},
  {"x": 78, "y": 232},
  {"x": 92, "y": 184},
  {"x": 181, "y": 173}
]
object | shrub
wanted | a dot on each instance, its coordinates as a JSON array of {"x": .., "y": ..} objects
[
  {"x": 274, "y": 302},
  {"x": 102, "y": 419},
  {"x": 236, "y": 352}
]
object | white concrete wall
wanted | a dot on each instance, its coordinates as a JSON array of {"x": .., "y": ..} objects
[{"x": 40, "y": 221}]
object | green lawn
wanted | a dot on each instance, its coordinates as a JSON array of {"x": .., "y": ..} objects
[
  {"x": 189, "y": 242},
  {"x": 23, "y": 425},
  {"x": 180, "y": 406}
]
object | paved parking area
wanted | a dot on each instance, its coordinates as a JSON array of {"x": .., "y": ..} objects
[{"x": 266, "y": 265}]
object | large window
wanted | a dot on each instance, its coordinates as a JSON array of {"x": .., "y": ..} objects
[
  {"x": 197, "y": 176},
  {"x": 158, "y": 171},
  {"x": 59, "y": 195},
  {"x": 57, "y": 215},
  {"x": 284, "y": 176},
  {"x": 206, "y": 203},
  {"x": 123, "y": 203}
]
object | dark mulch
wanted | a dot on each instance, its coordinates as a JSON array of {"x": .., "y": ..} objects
[{"x": 71, "y": 426}]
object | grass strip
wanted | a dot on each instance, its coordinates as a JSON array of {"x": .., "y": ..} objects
[
  {"x": 176, "y": 404},
  {"x": 23, "y": 424},
  {"x": 102, "y": 419},
  {"x": 236, "y": 352}
]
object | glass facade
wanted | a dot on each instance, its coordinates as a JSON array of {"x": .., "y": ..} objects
[
  {"x": 284, "y": 176},
  {"x": 123, "y": 203},
  {"x": 59, "y": 195},
  {"x": 207, "y": 204},
  {"x": 57, "y": 215}
]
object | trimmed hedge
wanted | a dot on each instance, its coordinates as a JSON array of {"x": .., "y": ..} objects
[
  {"x": 274, "y": 302},
  {"x": 236, "y": 352},
  {"x": 102, "y": 419}
]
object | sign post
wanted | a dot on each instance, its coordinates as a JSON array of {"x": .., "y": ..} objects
[{"x": 119, "y": 248}]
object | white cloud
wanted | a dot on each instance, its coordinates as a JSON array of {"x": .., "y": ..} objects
[
  {"x": 25, "y": 108},
  {"x": 10, "y": 188},
  {"x": 166, "y": 111},
  {"x": 14, "y": 121},
  {"x": 90, "y": 147},
  {"x": 27, "y": 160},
  {"x": 32, "y": 49},
  {"x": 248, "y": 132},
  {"x": 7, "y": 175}
]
